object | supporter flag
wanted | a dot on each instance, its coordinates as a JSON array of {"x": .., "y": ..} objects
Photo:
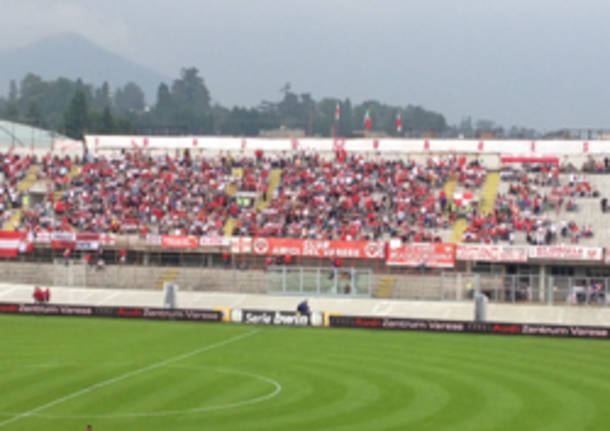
[
  {"x": 463, "y": 198},
  {"x": 398, "y": 123},
  {"x": 13, "y": 243},
  {"x": 338, "y": 112},
  {"x": 367, "y": 120}
]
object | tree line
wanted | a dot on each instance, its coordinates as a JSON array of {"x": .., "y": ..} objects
[{"x": 74, "y": 108}]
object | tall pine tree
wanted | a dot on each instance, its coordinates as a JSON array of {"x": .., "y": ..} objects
[{"x": 76, "y": 118}]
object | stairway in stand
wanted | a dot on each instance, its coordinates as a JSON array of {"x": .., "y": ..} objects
[
  {"x": 386, "y": 287},
  {"x": 23, "y": 186},
  {"x": 275, "y": 176},
  {"x": 459, "y": 227},
  {"x": 449, "y": 188},
  {"x": 490, "y": 190},
  {"x": 167, "y": 277},
  {"x": 74, "y": 171}
]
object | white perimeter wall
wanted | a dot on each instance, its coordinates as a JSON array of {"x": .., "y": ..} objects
[
  {"x": 576, "y": 315},
  {"x": 524, "y": 148}
]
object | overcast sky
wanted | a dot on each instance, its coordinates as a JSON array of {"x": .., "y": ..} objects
[{"x": 539, "y": 63}]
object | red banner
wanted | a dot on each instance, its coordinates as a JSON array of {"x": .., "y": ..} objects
[
  {"x": 317, "y": 248},
  {"x": 419, "y": 254},
  {"x": 567, "y": 252},
  {"x": 491, "y": 253},
  {"x": 179, "y": 241}
]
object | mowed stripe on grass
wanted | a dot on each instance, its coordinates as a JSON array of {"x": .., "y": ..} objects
[{"x": 331, "y": 379}]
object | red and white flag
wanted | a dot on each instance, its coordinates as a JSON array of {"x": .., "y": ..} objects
[
  {"x": 462, "y": 198},
  {"x": 367, "y": 120},
  {"x": 338, "y": 111},
  {"x": 398, "y": 123},
  {"x": 13, "y": 243}
]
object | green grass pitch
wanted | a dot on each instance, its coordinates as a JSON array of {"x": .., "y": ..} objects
[{"x": 64, "y": 373}]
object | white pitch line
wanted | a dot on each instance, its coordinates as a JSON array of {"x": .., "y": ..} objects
[
  {"x": 127, "y": 375},
  {"x": 277, "y": 389}
]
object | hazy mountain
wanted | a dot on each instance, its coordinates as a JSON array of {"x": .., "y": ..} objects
[{"x": 73, "y": 56}]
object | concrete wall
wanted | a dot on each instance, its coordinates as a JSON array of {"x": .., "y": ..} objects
[{"x": 457, "y": 310}]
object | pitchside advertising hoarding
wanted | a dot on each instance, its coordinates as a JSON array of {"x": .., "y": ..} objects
[
  {"x": 469, "y": 327},
  {"x": 279, "y": 318},
  {"x": 121, "y": 312},
  {"x": 291, "y": 318}
]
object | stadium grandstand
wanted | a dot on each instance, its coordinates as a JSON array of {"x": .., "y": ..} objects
[{"x": 506, "y": 216}]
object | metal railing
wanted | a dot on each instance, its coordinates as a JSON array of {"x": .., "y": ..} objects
[{"x": 319, "y": 281}]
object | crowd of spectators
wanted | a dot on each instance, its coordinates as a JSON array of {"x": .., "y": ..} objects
[
  {"x": 526, "y": 207},
  {"x": 345, "y": 197},
  {"x": 354, "y": 198},
  {"x": 597, "y": 166},
  {"x": 13, "y": 169},
  {"x": 135, "y": 193}
]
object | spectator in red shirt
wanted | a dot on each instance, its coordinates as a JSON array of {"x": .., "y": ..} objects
[{"x": 38, "y": 295}]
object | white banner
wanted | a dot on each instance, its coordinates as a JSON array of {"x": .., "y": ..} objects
[
  {"x": 565, "y": 252},
  {"x": 214, "y": 241},
  {"x": 491, "y": 253},
  {"x": 87, "y": 245},
  {"x": 241, "y": 244},
  {"x": 42, "y": 238}
]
